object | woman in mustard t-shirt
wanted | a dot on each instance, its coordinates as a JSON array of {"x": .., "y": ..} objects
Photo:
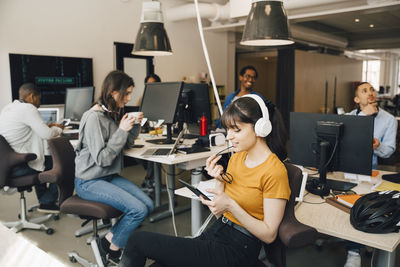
[{"x": 249, "y": 198}]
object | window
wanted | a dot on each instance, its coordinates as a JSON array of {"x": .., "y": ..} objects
[{"x": 371, "y": 71}]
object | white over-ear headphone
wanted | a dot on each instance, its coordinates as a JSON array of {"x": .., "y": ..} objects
[{"x": 263, "y": 126}]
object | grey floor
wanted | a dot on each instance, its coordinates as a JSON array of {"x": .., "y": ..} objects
[{"x": 331, "y": 254}]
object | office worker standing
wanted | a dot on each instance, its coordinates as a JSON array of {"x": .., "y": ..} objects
[
  {"x": 249, "y": 200},
  {"x": 385, "y": 129},
  {"x": 26, "y": 132},
  {"x": 247, "y": 76},
  {"x": 103, "y": 134}
]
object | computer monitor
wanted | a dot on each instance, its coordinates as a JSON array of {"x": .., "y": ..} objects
[
  {"x": 160, "y": 101},
  {"x": 49, "y": 115},
  {"x": 194, "y": 103},
  {"x": 77, "y": 101},
  {"x": 331, "y": 143}
]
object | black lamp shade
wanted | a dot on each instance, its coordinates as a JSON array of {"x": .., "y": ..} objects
[
  {"x": 152, "y": 40},
  {"x": 266, "y": 25}
]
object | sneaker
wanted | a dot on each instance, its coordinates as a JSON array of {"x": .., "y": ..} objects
[
  {"x": 49, "y": 208},
  {"x": 353, "y": 259},
  {"x": 107, "y": 254},
  {"x": 114, "y": 257}
]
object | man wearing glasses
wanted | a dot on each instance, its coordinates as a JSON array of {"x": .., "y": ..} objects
[{"x": 247, "y": 77}]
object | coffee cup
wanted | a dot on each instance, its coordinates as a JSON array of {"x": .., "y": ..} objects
[{"x": 135, "y": 115}]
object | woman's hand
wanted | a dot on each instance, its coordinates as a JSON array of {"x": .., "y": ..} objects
[
  {"x": 220, "y": 204},
  {"x": 213, "y": 169},
  {"x": 139, "y": 118},
  {"x": 126, "y": 123}
]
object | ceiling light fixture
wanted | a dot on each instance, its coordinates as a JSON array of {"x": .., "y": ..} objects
[
  {"x": 356, "y": 20},
  {"x": 371, "y": 25},
  {"x": 266, "y": 25},
  {"x": 152, "y": 39}
]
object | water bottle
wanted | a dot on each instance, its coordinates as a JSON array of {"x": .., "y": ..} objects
[{"x": 203, "y": 125}]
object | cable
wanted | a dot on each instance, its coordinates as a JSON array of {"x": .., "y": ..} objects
[
  {"x": 167, "y": 173},
  {"x": 206, "y": 56}
]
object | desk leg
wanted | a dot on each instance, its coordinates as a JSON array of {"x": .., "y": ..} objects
[
  {"x": 385, "y": 258},
  {"x": 157, "y": 184},
  {"x": 171, "y": 198},
  {"x": 195, "y": 203}
]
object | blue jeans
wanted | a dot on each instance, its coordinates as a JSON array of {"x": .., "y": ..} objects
[
  {"x": 121, "y": 194},
  {"x": 44, "y": 194}
]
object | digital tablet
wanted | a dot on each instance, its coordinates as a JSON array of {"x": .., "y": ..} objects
[{"x": 196, "y": 191}]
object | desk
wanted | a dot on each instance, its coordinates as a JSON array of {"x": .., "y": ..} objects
[
  {"x": 193, "y": 162},
  {"x": 332, "y": 221}
]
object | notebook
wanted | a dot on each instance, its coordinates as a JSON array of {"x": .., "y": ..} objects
[{"x": 163, "y": 152}]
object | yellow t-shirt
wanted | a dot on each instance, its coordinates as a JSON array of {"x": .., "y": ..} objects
[{"x": 251, "y": 185}]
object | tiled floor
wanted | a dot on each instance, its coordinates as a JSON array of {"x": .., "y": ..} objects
[{"x": 63, "y": 240}]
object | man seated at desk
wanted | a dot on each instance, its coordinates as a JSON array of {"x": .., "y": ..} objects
[
  {"x": 26, "y": 132},
  {"x": 385, "y": 129}
]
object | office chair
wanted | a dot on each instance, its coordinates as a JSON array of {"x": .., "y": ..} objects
[
  {"x": 291, "y": 232},
  {"x": 63, "y": 174},
  {"x": 9, "y": 160}
]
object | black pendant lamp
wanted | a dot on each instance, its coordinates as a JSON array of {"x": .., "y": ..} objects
[
  {"x": 266, "y": 25},
  {"x": 152, "y": 39}
]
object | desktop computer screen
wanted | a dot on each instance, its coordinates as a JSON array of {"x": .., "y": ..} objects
[
  {"x": 160, "y": 101},
  {"x": 77, "y": 101},
  {"x": 331, "y": 143},
  {"x": 196, "y": 97}
]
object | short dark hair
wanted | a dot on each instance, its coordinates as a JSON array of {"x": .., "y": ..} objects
[
  {"x": 154, "y": 76},
  {"x": 356, "y": 88},
  {"x": 248, "y": 67},
  {"x": 28, "y": 88}
]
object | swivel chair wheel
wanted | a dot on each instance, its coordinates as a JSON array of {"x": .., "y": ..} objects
[
  {"x": 56, "y": 217},
  {"x": 72, "y": 259},
  {"x": 50, "y": 231}
]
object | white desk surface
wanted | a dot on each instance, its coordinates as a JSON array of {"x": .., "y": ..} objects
[
  {"x": 332, "y": 221},
  {"x": 17, "y": 251},
  {"x": 172, "y": 159}
]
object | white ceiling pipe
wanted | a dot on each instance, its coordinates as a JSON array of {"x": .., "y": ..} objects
[
  {"x": 212, "y": 12},
  {"x": 310, "y": 35},
  {"x": 293, "y": 4}
]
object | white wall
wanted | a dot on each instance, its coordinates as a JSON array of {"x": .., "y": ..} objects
[{"x": 88, "y": 28}]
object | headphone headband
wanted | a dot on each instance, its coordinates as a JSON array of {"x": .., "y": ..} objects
[
  {"x": 263, "y": 126},
  {"x": 261, "y": 104}
]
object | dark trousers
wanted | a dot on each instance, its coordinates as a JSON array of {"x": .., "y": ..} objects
[
  {"x": 45, "y": 194},
  {"x": 221, "y": 245}
]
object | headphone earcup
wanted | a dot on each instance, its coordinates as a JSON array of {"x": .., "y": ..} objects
[{"x": 263, "y": 127}]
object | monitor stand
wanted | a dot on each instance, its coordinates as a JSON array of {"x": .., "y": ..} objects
[
  {"x": 164, "y": 141},
  {"x": 323, "y": 186}
]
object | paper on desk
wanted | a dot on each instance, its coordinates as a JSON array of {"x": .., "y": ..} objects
[
  {"x": 386, "y": 185},
  {"x": 357, "y": 177},
  {"x": 204, "y": 185}
]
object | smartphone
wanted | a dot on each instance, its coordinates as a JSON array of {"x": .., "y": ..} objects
[
  {"x": 196, "y": 191},
  {"x": 394, "y": 178}
]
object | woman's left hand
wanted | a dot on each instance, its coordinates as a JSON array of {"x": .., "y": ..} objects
[{"x": 220, "y": 203}]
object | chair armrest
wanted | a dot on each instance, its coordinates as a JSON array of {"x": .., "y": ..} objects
[
  {"x": 294, "y": 234},
  {"x": 19, "y": 158},
  {"x": 49, "y": 176}
]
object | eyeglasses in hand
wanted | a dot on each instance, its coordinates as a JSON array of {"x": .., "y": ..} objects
[{"x": 226, "y": 176}]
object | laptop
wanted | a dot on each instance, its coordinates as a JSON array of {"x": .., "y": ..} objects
[{"x": 163, "y": 152}]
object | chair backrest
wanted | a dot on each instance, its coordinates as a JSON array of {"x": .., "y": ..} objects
[
  {"x": 291, "y": 232},
  {"x": 10, "y": 159},
  {"x": 63, "y": 171}
]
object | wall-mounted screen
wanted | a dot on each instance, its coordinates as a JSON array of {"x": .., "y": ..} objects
[{"x": 51, "y": 74}]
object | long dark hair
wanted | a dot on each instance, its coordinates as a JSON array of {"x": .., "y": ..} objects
[
  {"x": 247, "y": 110},
  {"x": 115, "y": 81}
]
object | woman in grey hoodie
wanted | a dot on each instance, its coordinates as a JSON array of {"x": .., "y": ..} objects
[{"x": 103, "y": 134}]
